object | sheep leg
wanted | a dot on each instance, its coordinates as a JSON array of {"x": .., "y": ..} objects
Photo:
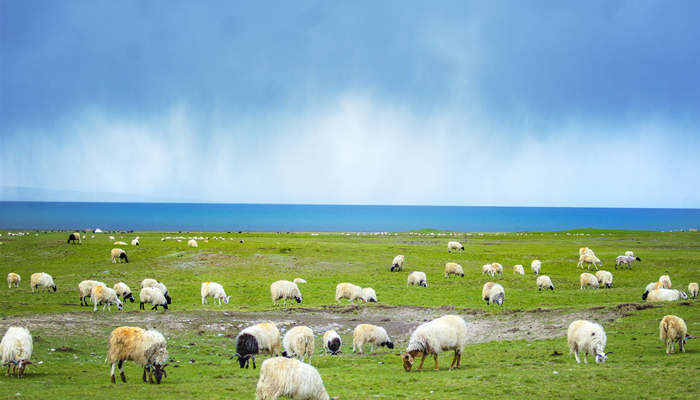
[
  {"x": 585, "y": 358},
  {"x": 578, "y": 360},
  {"x": 420, "y": 367},
  {"x": 454, "y": 360},
  {"x": 459, "y": 360},
  {"x": 121, "y": 370},
  {"x": 112, "y": 373},
  {"x": 437, "y": 368},
  {"x": 144, "y": 373}
]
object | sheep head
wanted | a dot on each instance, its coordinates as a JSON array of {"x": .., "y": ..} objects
[
  {"x": 601, "y": 357},
  {"x": 226, "y": 299},
  {"x": 298, "y": 299},
  {"x": 159, "y": 372}
]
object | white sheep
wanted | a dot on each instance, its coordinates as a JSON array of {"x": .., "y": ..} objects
[
  {"x": 605, "y": 278},
  {"x": 74, "y": 237},
  {"x": 665, "y": 281},
  {"x": 192, "y": 243},
  {"x": 255, "y": 339},
  {"x": 85, "y": 290},
  {"x": 587, "y": 279},
  {"x": 445, "y": 333},
  {"x": 285, "y": 290},
  {"x": 486, "y": 269},
  {"x": 119, "y": 254},
  {"x": 673, "y": 329},
  {"x": 584, "y": 251},
  {"x": 397, "y": 264},
  {"x": 496, "y": 268},
  {"x": 693, "y": 289},
  {"x": 588, "y": 338},
  {"x": 369, "y": 295},
  {"x": 518, "y": 269},
  {"x": 148, "y": 282},
  {"x": 536, "y": 265},
  {"x": 124, "y": 291},
  {"x": 111, "y": 238},
  {"x": 453, "y": 269},
  {"x": 145, "y": 347},
  {"x": 280, "y": 376},
  {"x": 417, "y": 278},
  {"x": 153, "y": 296},
  {"x": 41, "y": 279},
  {"x": 16, "y": 348},
  {"x": 651, "y": 286},
  {"x": 372, "y": 334},
  {"x": 135, "y": 242},
  {"x": 299, "y": 341},
  {"x": 625, "y": 260},
  {"x": 454, "y": 246},
  {"x": 215, "y": 291},
  {"x": 107, "y": 296},
  {"x": 299, "y": 280},
  {"x": 120, "y": 243},
  {"x": 348, "y": 291},
  {"x": 589, "y": 259},
  {"x": 493, "y": 293},
  {"x": 666, "y": 295},
  {"x": 332, "y": 342},
  {"x": 13, "y": 279},
  {"x": 629, "y": 253},
  {"x": 544, "y": 282}
]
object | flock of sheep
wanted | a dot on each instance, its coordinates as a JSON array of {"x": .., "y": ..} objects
[{"x": 283, "y": 375}]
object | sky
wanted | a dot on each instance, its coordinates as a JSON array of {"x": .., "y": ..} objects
[{"x": 499, "y": 103}]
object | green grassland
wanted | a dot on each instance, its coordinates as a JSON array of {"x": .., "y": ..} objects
[{"x": 202, "y": 367}]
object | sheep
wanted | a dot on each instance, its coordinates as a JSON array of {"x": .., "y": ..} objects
[
  {"x": 665, "y": 281},
  {"x": 692, "y": 289},
  {"x": 192, "y": 243},
  {"x": 587, "y": 337},
  {"x": 453, "y": 269},
  {"x": 13, "y": 279},
  {"x": 585, "y": 250},
  {"x": 673, "y": 329},
  {"x": 536, "y": 265},
  {"x": 119, "y": 254},
  {"x": 587, "y": 279},
  {"x": 496, "y": 268},
  {"x": 285, "y": 290},
  {"x": 445, "y": 333},
  {"x": 111, "y": 238},
  {"x": 154, "y": 296},
  {"x": 417, "y": 278},
  {"x": 41, "y": 279},
  {"x": 589, "y": 259},
  {"x": 145, "y": 347},
  {"x": 604, "y": 278},
  {"x": 85, "y": 290},
  {"x": 292, "y": 378},
  {"x": 486, "y": 269},
  {"x": 215, "y": 291},
  {"x": 493, "y": 293},
  {"x": 148, "y": 282},
  {"x": 299, "y": 280},
  {"x": 135, "y": 242},
  {"x": 629, "y": 253},
  {"x": 124, "y": 291},
  {"x": 348, "y": 291},
  {"x": 332, "y": 342},
  {"x": 397, "y": 264},
  {"x": 372, "y": 334},
  {"x": 626, "y": 260},
  {"x": 16, "y": 348},
  {"x": 651, "y": 286},
  {"x": 255, "y": 339},
  {"x": 104, "y": 295},
  {"x": 666, "y": 295},
  {"x": 544, "y": 282},
  {"x": 299, "y": 341},
  {"x": 518, "y": 269},
  {"x": 369, "y": 295},
  {"x": 74, "y": 237},
  {"x": 120, "y": 243},
  {"x": 454, "y": 246}
]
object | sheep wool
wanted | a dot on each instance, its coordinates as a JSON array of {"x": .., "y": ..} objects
[
  {"x": 145, "y": 347},
  {"x": 662, "y": 294},
  {"x": 215, "y": 291},
  {"x": 369, "y": 295},
  {"x": 332, "y": 342},
  {"x": 85, "y": 290},
  {"x": 41, "y": 279},
  {"x": 445, "y": 333},
  {"x": 453, "y": 269},
  {"x": 124, "y": 291},
  {"x": 13, "y": 279},
  {"x": 493, "y": 293},
  {"x": 16, "y": 348},
  {"x": 348, "y": 291},
  {"x": 119, "y": 255},
  {"x": 651, "y": 286},
  {"x": 417, "y": 278},
  {"x": 107, "y": 296},
  {"x": 397, "y": 264},
  {"x": 288, "y": 377},
  {"x": 544, "y": 282},
  {"x": 192, "y": 243},
  {"x": 372, "y": 334},
  {"x": 604, "y": 278},
  {"x": 588, "y": 338},
  {"x": 587, "y": 279},
  {"x": 673, "y": 329},
  {"x": 285, "y": 290},
  {"x": 665, "y": 281},
  {"x": 692, "y": 289},
  {"x": 454, "y": 246},
  {"x": 536, "y": 265},
  {"x": 148, "y": 282},
  {"x": 153, "y": 296},
  {"x": 629, "y": 253},
  {"x": 299, "y": 341},
  {"x": 256, "y": 339},
  {"x": 518, "y": 269}
]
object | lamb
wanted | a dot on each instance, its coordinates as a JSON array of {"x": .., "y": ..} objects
[
  {"x": 85, "y": 290},
  {"x": 74, "y": 237},
  {"x": 13, "y": 279},
  {"x": 372, "y": 334},
  {"x": 536, "y": 265},
  {"x": 666, "y": 295},
  {"x": 148, "y": 282},
  {"x": 135, "y": 242},
  {"x": 417, "y": 278},
  {"x": 154, "y": 296},
  {"x": 587, "y": 279},
  {"x": 673, "y": 329},
  {"x": 255, "y": 339},
  {"x": 589, "y": 259},
  {"x": 348, "y": 291},
  {"x": 692, "y": 289},
  {"x": 445, "y": 333},
  {"x": 119, "y": 254},
  {"x": 124, "y": 291},
  {"x": 107, "y": 296},
  {"x": 604, "y": 278},
  {"x": 285, "y": 290},
  {"x": 41, "y": 279},
  {"x": 145, "y": 347},
  {"x": 299, "y": 280},
  {"x": 493, "y": 293},
  {"x": 587, "y": 337},
  {"x": 397, "y": 264},
  {"x": 192, "y": 243},
  {"x": 544, "y": 282},
  {"x": 454, "y": 246},
  {"x": 299, "y": 341},
  {"x": 626, "y": 260},
  {"x": 215, "y": 291},
  {"x": 292, "y": 378},
  {"x": 518, "y": 269},
  {"x": 16, "y": 348},
  {"x": 665, "y": 281},
  {"x": 332, "y": 342},
  {"x": 369, "y": 295},
  {"x": 453, "y": 269}
]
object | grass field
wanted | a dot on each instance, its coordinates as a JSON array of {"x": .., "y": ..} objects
[{"x": 513, "y": 353}]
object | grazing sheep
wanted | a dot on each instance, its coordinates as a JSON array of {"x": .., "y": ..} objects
[
  {"x": 255, "y": 339},
  {"x": 417, "y": 278},
  {"x": 665, "y": 281},
  {"x": 629, "y": 253},
  {"x": 626, "y": 260},
  {"x": 215, "y": 291},
  {"x": 16, "y": 348},
  {"x": 85, "y": 290},
  {"x": 518, "y": 269},
  {"x": 148, "y": 282},
  {"x": 119, "y": 254},
  {"x": 585, "y": 250},
  {"x": 673, "y": 329},
  {"x": 154, "y": 296},
  {"x": 536, "y": 265},
  {"x": 445, "y": 333},
  {"x": 348, "y": 291},
  {"x": 107, "y": 296},
  {"x": 13, "y": 279},
  {"x": 372, "y": 334},
  {"x": 454, "y": 246},
  {"x": 291, "y": 378},
  {"x": 692, "y": 289},
  {"x": 544, "y": 282},
  {"x": 589, "y": 259},
  {"x": 587, "y": 337},
  {"x": 496, "y": 268},
  {"x": 124, "y": 291},
  {"x": 604, "y": 278},
  {"x": 666, "y": 295},
  {"x": 332, "y": 342},
  {"x": 145, "y": 347},
  {"x": 486, "y": 269},
  {"x": 73, "y": 238},
  {"x": 397, "y": 264},
  {"x": 285, "y": 290},
  {"x": 453, "y": 269},
  {"x": 493, "y": 293},
  {"x": 369, "y": 295},
  {"x": 41, "y": 279},
  {"x": 299, "y": 341},
  {"x": 192, "y": 243},
  {"x": 589, "y": 280},
  {"x": 299, "y": 280},
  {"x": 135, "y": 242},
  {"x": 120, "y": 243}
]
